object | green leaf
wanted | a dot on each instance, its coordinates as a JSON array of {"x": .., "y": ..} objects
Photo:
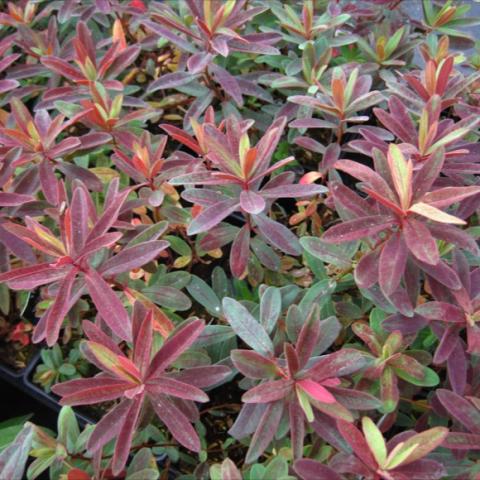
[
  {"x": 393, "y": 42},
  {"x": 412, "y": 371},
  {"x": 179, "y": 246},
  {"x": 68, "y": 430},
  {"x": 68, "y": 109},
  {"x": 277, "y": 468},
  {"x": 204, "y": 295},
  {"x": 247, "y": 327},
  {"x": 398, "y": 455},
  {"x": 270, "y": 308},
  {"x": 10, "y": 428},
  {"x": 304, "y": 401}
]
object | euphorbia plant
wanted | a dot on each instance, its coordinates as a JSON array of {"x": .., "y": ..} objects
[
  {"x": 435, "y": 79},
  {"x": 307, "y": 26},
  {"x": 240, "y": 169},
  {"x": 340, "y": 104},
  {"x": 404, "y": 207},
  {"x": 291, "y": 384},
  {"x": 387, "y": 49},
  {"x": 217, "y": 29},
  {"x": 104, "y": 115},
  {"x": 40, "y": 149},
  {"x": 391, "y": 363},
  {"x": 88, "y": 69},
  {"x": 401, "y": 458},
  {"x": 420, "y": 142},
  {"x": 143, "y": 378},
  {"x": 145, "y": 163},
  {"x": 456, "y": 310},
  {"x": 68, "y": 261}
]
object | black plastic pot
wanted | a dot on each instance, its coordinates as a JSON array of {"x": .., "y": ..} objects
[
  {"x": 48, "y": 399},
  {"x": 28, "y": 314}
]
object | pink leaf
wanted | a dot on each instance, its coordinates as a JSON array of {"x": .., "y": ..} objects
[{"x": 316, "y": 391}]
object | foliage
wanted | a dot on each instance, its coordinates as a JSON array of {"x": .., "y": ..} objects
[{"x": 244, "y": 236}]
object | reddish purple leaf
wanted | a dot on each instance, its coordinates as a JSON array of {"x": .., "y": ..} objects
[
  {"x": 108, "y": 305},
  {"x": 177, "y": 423},
  {"x": 392, "y": 263},
  {"x": 357, "y": 229},
  {"x": 420, "y": 242}
]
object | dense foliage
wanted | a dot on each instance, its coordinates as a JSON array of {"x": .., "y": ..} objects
[{"x": 246, "y": 232}]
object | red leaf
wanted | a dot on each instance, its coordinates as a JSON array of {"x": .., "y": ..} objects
[
  {"x": 420, "y": 242},
  {"x": 175, "y": 345},
  {"x": 108, "y": 305},
  {"x": 240, "y": 252},
  {"x": 392, "y": 263}
]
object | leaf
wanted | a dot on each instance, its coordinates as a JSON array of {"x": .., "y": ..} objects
[
  {"x": 389, "y": 389},
  {"x": 229, "y": 471},
  {"x": 420, "y": 241},
  {"x": 312, "y": 470},
  {"x": 68, "y": 430},
  {"x": 293, "y": 191},
  {"x": 108, "y": 361},
  {"x": 375, "y": 441},
  {"x": 304, "y": 402},
  {"x": 252, "y": 202},
  {"x": 327, "y": 252},
  {"x": 171, "y": 80},
  {"x": 401, "y": 172},
  {"x": 133, "y": 257},
  {"x": 240, "y": 251},
  {"x": 14, "y": 458},
  {"x": 86, "y": 391},
  {"x": 443, "y": 311},
  {"x": 125, "y": 436},
  {"x": 433, "y": 213},
  {"x": 10, "y": 428},
  {"x": 267, "y": 392},
  {"x": 367, "y": 175},
  {"x": 181, "y": 339},
  {"x": 357, "y": 442},
  {"x": 308, "y": 338},
  {"x": 28, "y": 278},
  {"x": 414, "y": 372},
  {"x": 204, "y": 295},
  {"x": 212, "y": 216},
  {"x": 316, "y": 391},
  {"x": 270, "y": 308},
  {"x": 337, "y": 364},
  {"x": 246, "y": 327},
  {"x": 278, "y": 235},
  {"x": 253, "y": 365},
  {"x": 392, "y": 263},
  {"x": 424, "y": 443},
  {"x": 462, "y": 441},
  {"x": 265, "y": 431},
  {"x": 443, "y": 197},
  {"x": 172, "y": 387},
  {"x": 357, "y": 229},
  {"x": 60, "y": 307},
  {"x": 109, "y": 305},
  {"x": 460, "y": 409}
]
